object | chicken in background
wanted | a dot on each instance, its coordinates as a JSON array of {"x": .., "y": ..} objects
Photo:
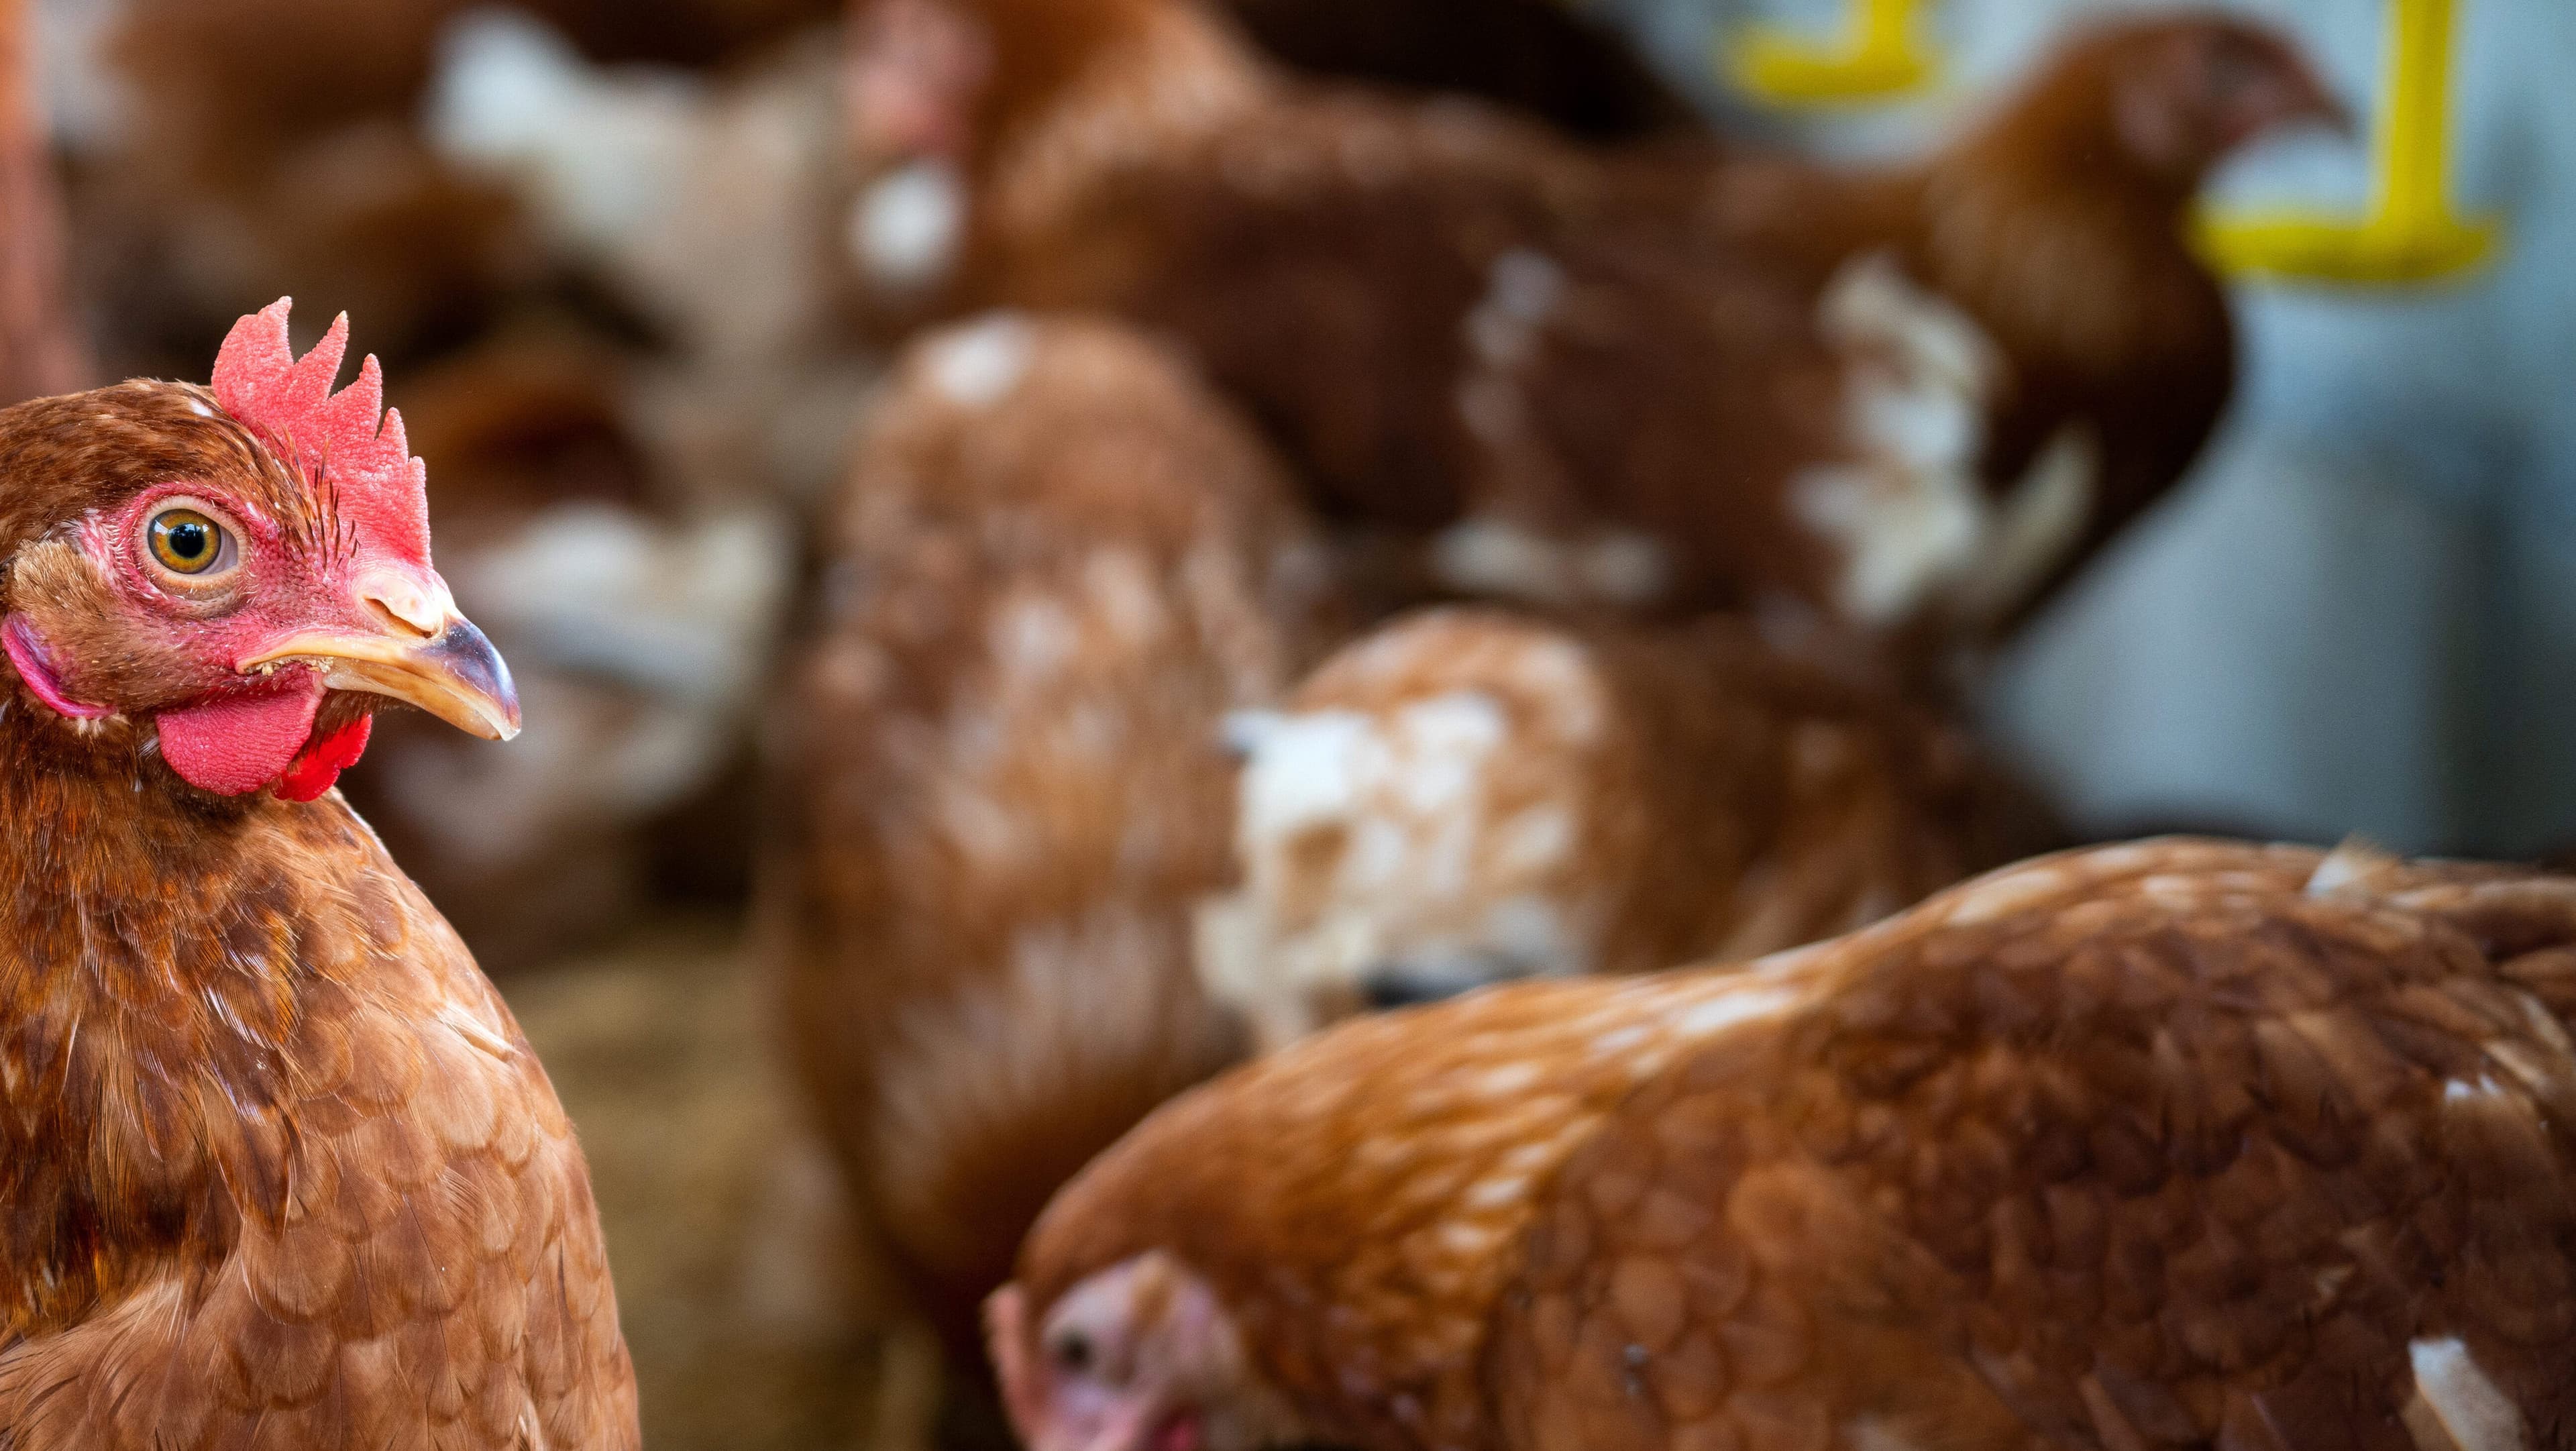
[
  {"x": 2173, "y": 1144},
  {"x": 1058, "y": 563},
  {"x": 40, "y": 351},
  {"x": 2057, "y": 226},
  {"x": 277, "y": 1166},
  {"x": 1467, "y": 796},
  {"x": 1460, "y": 324},
  {"x": 275, "y": 143},
  {"x": 708, "y": 207},
  {"x": 642, "y": 627}
]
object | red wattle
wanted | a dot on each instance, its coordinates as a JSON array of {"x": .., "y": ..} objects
[
  {"x": 318, "y": 769},
  {"x": 240, "y": 743}
]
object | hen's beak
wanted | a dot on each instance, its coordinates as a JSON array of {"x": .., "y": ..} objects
[{"x": 434, "y": 659}]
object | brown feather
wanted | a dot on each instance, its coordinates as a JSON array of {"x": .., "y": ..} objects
[
  {"x": 2176, "y": 1143},
  {"x": 1057, "y": 563}
]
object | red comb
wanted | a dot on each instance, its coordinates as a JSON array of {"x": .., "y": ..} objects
[{"x": 337, "y": 438}]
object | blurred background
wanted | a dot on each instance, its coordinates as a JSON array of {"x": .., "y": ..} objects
[{"x": 637, "y": 277}]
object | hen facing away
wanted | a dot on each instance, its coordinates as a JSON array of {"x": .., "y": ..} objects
[
  {"x": 1461, "y": 324},
  {"x": 1467, "y": 795},
  {"x": 1057, "y": 564},
  {"x": 276, "y": 1166},
  {"x": 2179, "y": 1143}
]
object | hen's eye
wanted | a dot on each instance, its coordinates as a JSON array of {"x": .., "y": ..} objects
[
  {"x": 1073, "y": 1352},
  {"x": 187, "y": 542}
]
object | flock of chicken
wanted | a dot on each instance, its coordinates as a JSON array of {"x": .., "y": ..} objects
[{"x": 1317, "y": 549}]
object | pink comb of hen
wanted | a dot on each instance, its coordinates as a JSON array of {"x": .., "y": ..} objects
[{"x": 335, "y": 437}]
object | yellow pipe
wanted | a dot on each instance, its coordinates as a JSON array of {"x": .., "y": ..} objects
[
  {"x": 2411, "y": 233},
  {"x": 1878, "y": 54}
]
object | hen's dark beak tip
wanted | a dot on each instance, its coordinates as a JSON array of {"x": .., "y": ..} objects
[{"x": 466, "y": 653}]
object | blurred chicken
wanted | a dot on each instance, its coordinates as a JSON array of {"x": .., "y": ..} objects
[
  {"x": 2174, "y": 1144},
  {"x": 277, "y": 142},
  {"x": 1458, "y": 321},
  {"x": 642, "y": 629},
  {"x": 40, "y": 353},
  {"x": 2057, "y": 226},
  {"x": 1058, "y": 563},
  {"x": 1466, "y": 796},
  {"x": 705, "y": 208}
]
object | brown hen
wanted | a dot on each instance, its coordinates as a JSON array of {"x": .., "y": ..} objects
[
  {"x": 2174, "y": 1144},
  {"x": 1467, "y": 795},
  {"x": 1057, "y": 564},
  {"x": 2057, "y": 223},
  {"x": 276, "y": 1166},
  {"x": 1461, "y": 323}
]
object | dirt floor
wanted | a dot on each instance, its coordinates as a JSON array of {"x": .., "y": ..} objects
[{"x": 732, "y": 1279}]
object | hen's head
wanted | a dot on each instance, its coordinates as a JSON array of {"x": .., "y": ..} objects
[
  {"x": 234, "y": 575},
  {"x": 1141, "y": 1356},
  {"x": 2180, "y": 94}
]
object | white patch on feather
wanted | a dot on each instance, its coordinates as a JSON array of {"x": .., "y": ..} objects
[
  {"x": 1305, "y": 769},
  {"x": 600, "y": 150},
  {"x": 1031, "y": 639},
  {"x": 2462, "y": 1090},
  {"x": 1996, "y": 896},
  {"x": 2455, "y": 1397},
  {"x": 1522, "y": 290},
  {"x": 2348, "y": 865},
  {"x": 1745, "y": 1004},
  {"x": 1482, "y": 555},
  {"x": 2040, "y": 522},
  {"x": 903, "y": 229},
  {"x": 1911, "y": 515},
  {"x": 1442, "y": 745},
  {"x": 466, "y": 1023},
  {"x": 1485, "y": 555},
  {"x": 979, "y": 364}
]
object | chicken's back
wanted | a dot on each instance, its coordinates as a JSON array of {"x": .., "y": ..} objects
[
  {"x": 1468, "y": 795},
  {"x": 1058, "y": 563},
  {"x": 2179, "y": 1143}
]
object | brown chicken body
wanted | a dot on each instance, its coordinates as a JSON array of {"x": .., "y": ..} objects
[
  {"x": 277, "y": 1168},
  {"x": 1058, "y": 563},
  {"x": 2180, "y": 1143},
  {"x": 1469, "y": 795},
  {"x": 2058, "y": 225},
  {"x": 1458, "y": 321}
]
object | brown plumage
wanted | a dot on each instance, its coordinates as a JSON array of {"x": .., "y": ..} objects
[
  {"x": 1468, "y": 795},
  {"x": 1058, "y": 562},
  {"x": 1459, "y": 322},
  {"x": 2180, "y": 1143},
  {"x": 2057, "y": 224},
  {"x": 39, "y": 351},
  {"x": 275, "y": 145},
  {"x": 276, "y": 1166}
]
